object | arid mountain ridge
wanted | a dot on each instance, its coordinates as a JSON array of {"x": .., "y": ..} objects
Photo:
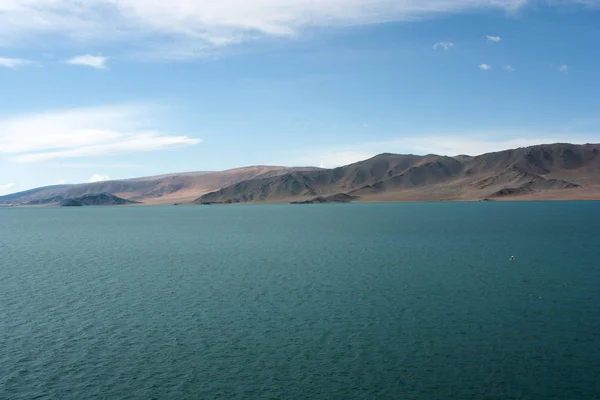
[
  {"x": 162, "y": 189},
  {"x": 554, "y": 171}
]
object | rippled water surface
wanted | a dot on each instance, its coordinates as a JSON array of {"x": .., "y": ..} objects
[{"x": 359, "y": 301}]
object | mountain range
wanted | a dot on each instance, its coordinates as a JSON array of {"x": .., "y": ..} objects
[
  {"x": 558, "y": 171},
  {"x": 163, "y": 189}
]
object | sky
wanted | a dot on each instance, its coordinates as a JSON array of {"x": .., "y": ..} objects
[{"x": 112, "y": 89}]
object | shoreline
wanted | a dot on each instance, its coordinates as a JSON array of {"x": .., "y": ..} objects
[{"x": 288, "y": 202}]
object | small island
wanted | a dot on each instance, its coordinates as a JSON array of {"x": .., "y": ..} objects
[
  {"x": 100, "y": 199},
  {"x": 336, "y": 198}
]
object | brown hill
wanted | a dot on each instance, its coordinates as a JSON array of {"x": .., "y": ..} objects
[
  {"x": 554, "y": 171},
  {"x": 164, "y": 189},
  {"x": 545, "y": 171},
  {"x": 428, "y": 171},
  {"x": 308, "y": 184}
]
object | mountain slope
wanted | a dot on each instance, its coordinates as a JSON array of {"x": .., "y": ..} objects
[
  {"x": 428, "y": 171},
  {"x": 299, "y": 184},
  {"x": 558, "y": 158},
  {"x": 162, "y": 189},
  {"x": 544, "y": 170}
]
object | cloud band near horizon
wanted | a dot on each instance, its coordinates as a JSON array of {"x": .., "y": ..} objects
[{"x": 83, "y": 132}]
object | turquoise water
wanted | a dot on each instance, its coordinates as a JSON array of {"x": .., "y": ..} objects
[{"x": 356, "y": 301}]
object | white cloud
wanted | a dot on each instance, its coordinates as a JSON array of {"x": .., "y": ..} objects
[
  {"x": 337, "y": 158},
  {"x": 563, "y": 68},
  {"x": 97, "y": 165},
  {"x": 510, "y": 68},
  {"x": 87, "y": 60},
  {"x": 495, "y": 39},
  {"x": 98, "y": 178},
  {"x": 61, "y": 182},
  {"x": 14, "y": 63},
  {"x": 84, "y": 132},
  {"x": 443, "y": 45},
  {"x": 145, "y": 25},
  {"x": 485, "y": 67},
  {"x": 130, "y": 144},
  {"x": 6, "y": 188}
]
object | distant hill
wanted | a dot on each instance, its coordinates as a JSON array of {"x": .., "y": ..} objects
[
  {"x": 555, "y": 171},
  {"x": 164, "y": 189},
  {"x": 100, "y": 199}
]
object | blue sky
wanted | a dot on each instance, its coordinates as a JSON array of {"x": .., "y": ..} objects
[{"x": 123, "y": 88}]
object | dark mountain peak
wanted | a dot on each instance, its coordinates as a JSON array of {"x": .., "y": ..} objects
[{"x": 99, "y": 199}]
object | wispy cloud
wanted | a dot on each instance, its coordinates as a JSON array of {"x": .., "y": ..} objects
[
  {"x": 84, "y": 132},
  {"x": 443, "y": 45},
  {"x": 494, "y": 39},
  {"x": 14, "y": 63},
  {"x": 128, "y": 144},
  {"x": 563, "y": 68},
  {"x": 485, "y": 67},
  {"x": 510, "y": 68},
  {"x": 337, "y": 158},
  {"x": 98, "y": 178},
  {"x": 87, "y": 60},
  {"x": 84, "y": 165},
  {"x": 6, "y": 187},
  {"x": 143, "y": 24}
]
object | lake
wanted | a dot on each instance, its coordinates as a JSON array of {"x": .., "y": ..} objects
[{"x": 352, "y": 301}]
